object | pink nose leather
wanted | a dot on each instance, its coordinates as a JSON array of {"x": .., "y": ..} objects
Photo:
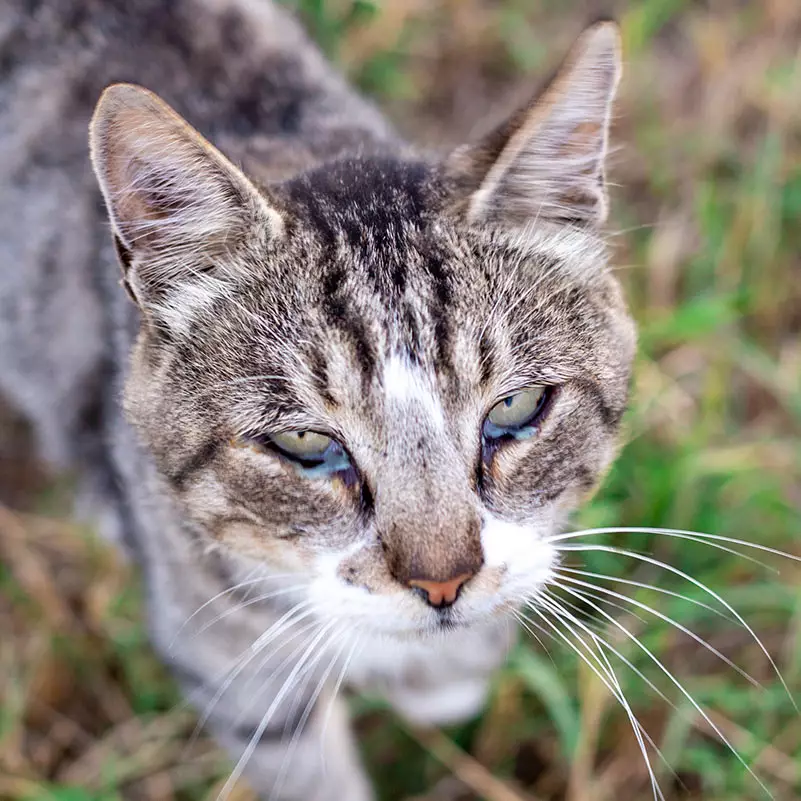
[{"x": 441, "y": 593}]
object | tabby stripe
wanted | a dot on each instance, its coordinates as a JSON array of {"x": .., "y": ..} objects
[
  {"x": 348, "y": 322},
  {"x": 196, "y": 462},
  {"x": 486, "y": 353},
  {"x": 440, "y": 310},
  {"x": 609, "y": 416},
  {"x": 277, "y": 729},
  {"x": 319, "y": 373}
]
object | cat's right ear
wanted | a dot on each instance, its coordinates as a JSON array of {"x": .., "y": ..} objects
[{"x": 180, "y": 210}]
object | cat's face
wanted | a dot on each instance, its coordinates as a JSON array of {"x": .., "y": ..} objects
[{"x": 394, "y": 379}]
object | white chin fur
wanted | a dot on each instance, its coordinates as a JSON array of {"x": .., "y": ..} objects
[{"x": 439, "y": 678}]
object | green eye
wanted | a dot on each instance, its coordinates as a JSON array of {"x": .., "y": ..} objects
[
  {"x": 312, "y": 453},
  {"x": 307, "y": 446},
  {"x": 515, "y": 412}
]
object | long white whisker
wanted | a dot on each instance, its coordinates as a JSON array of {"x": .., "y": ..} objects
[
  {"x": 519, "y": 618},
  {"x": 558, "y": 610},
  {"x": 583, "y": 612},
  {"x": 246, "y": 603},
  {"x": 696, "y": 536},
  {"x": 653, "y": 745},
  {"x": 612, "y": 684},
  {"x": 236, "y": 773},
  {"x": 698, "y": 708},
  {"x": 270, "y": 655},
  {"x": 240, "y": 585},
  {"x": 355, "y": 651},
  {"x": 255, "y": 649},
  {"x": 644, "y": 586},
  {"x": 656, "y": 562},
  {"x": 666, "y": 618},
  {"x": 301, "y": 725}
]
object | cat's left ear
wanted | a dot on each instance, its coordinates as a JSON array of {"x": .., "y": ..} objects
[
  {"x": 182, "y": 212},
  {"x": 547, "y": 161}
]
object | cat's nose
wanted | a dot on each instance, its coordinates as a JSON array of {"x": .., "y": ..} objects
[{"x": 440, "y": 594}]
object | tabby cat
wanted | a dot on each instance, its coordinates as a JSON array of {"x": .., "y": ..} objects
[{"x": 346, "y": 391}]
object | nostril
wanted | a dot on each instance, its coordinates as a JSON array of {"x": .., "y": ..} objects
[{"x": 440, "y": 594}]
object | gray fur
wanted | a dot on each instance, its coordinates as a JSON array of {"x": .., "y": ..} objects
[{"x": 338, "y": 283}]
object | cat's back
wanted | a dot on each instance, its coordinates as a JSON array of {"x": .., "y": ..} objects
[{"x": 241, "y": 71}]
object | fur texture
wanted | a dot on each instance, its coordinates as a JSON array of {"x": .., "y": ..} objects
[{"x": 333, "y": 282}]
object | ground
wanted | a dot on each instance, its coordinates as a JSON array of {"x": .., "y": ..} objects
[{"x": 707, "y": 169}]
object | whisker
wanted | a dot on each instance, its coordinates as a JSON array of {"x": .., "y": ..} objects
[
  {"x": 270, "y": 655},
  {"x": 698, "y": 708},
  {"x": 519, "y": 618},
  {"x": 245, "y": 603},
  {"x": 238, "y": 586},
  {"x": 612, "y": 684},
  {"x": 740, "y": 619},
  {"x": 666, "y": 618},
  {"x": 248, "y": 656},
  {"x": 305, "y": 676},
  {"x": 556, "y": 607},
  {"x": 644, "y": 586},
  {"x": 600, "y": 599},
  {"x": 657, "y": 749},
  {"x": 355, "y": 651},
  {"x": 301, "y": 725},
  {"x": 236, "y": 773},
  {"x": 696, "y": 536}
]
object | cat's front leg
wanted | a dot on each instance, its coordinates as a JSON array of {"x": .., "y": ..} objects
[
  {"x": 298, "y": 750},
  {"x": 318, "y": 764}
]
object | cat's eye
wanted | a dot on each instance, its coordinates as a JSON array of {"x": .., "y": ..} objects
[
  {"x": 311, "y": 451},
  {"x": 517, "y": 414},
  {"x": 304, "y": 445}
]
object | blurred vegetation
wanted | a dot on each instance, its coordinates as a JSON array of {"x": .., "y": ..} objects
[{"x": 706, "y": 229}]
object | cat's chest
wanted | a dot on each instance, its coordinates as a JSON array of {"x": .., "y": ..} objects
[
  {"x": 381, "y": 661},
  {"x": 437, "y": 681}
]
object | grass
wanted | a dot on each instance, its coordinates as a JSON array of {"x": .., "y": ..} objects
[{"x": 707, "y": 210}]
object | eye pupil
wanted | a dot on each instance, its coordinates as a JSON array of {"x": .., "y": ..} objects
[{"x": 509, "y": 401}]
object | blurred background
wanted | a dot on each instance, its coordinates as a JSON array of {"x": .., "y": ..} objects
[{"x": 706, "y": 227}]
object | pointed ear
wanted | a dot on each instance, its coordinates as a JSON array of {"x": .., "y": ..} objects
[
  {"x": 547, "y": 161},
  {"x": 180, "y": 210}
]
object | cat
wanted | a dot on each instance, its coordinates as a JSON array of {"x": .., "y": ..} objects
[{"x": 334, "y": 395}]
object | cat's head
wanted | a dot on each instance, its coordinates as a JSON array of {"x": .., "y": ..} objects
[{"x": 392, "y": 377}]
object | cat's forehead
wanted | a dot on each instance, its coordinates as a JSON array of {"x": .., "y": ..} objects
[
  {"x": 364, "y": 202},
  {"x": 387, "y": 303}
]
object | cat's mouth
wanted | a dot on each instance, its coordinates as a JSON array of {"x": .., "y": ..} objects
[{"x": 448, "y": 620}]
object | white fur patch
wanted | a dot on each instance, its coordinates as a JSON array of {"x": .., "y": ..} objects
[
  {"x": 181, "y": 307},
  {"x": 521, "y": 551},
  {"x": 448, "y": 703},
  {"x": 405, "y": 384}
]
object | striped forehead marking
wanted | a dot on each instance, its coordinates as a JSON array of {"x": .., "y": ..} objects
[{"x": 405, "y": 384}]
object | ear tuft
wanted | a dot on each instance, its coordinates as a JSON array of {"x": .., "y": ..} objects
[
  {"x": 547, "y": 161},
  {"x": 179, "y": 208}
]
